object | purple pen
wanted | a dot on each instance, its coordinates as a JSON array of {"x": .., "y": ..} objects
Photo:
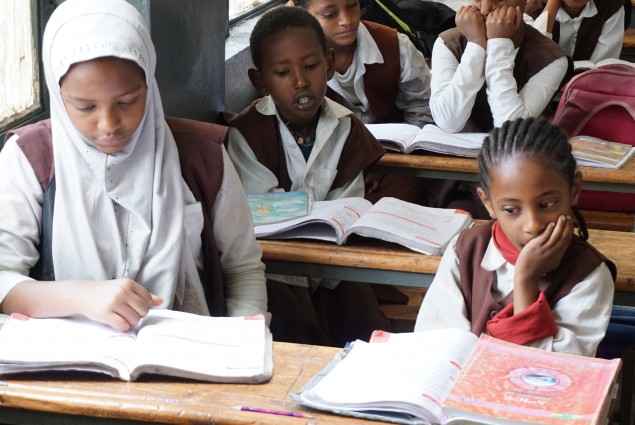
[{"x": 275, "y": 412}]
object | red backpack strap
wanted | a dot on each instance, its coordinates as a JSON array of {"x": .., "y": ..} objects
[{"x": 36, "y": 143}]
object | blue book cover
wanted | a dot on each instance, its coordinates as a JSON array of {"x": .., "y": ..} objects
[{"x": 276, "y": 207}]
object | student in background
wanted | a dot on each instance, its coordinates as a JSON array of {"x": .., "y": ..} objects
[
  {"x": 586, "y": 30},
  {"x": 381, "y": 76},
  {"x": 492, "y": 68},
  {"x": 379, "y": 73},
  {"x": 294, "y": 138},
  {"x": 524, "y": 277},
  {"x": 489, "y": 69},
  {"x": 132, "y": 230}
]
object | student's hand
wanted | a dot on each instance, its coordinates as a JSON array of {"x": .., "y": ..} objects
[
  {"x": 119, "y": 303},
  {"x": 471, "y": 23},
  {"x": 504, "y": 22},
  {"x": 541, "y": 255}
]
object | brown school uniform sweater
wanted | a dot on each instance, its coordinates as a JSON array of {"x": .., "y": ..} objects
[
  {"x": 535, "y": 53},
  {"x": 263, "y": 137},
  {"x": 476, "y": 283},
  {"x": 200, "y": 154},
  {"x": 381, "y": 80},
  {"x": 590, "y": 28}
]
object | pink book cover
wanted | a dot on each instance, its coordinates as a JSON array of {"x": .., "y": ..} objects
[{"x": 515, "y": 383}]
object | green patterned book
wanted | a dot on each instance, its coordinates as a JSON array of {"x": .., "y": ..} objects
[{"x": 276, "y": 207}]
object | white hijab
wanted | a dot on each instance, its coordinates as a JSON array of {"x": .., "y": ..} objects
[{"x": 115, "y": 215}]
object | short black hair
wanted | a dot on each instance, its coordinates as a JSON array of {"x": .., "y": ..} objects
[
  {"x": 532, "y": 138},
  {"x": 277, "y": 20}
]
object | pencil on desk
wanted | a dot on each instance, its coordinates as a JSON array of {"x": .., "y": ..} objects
[{"x": 274, "y": 412}]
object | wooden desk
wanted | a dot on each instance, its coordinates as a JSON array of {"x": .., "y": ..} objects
[
  {"x": 92, "y": 399},
  {"x": 373, "y": 261},
  {"x": 466, "y": 169}
]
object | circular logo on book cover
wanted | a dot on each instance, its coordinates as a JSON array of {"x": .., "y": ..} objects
[{"x": 539, "y": 379}]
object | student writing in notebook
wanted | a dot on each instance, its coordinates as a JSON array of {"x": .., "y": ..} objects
[
  {"x": 131, "y": 229},
  {"x": 293, "y": 139},
  {"x": 525, "y": 277}
]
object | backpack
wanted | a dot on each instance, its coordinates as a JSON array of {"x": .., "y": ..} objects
[
  {"x": 422, "y": 21},
  {"x": 601, "y": 103}
]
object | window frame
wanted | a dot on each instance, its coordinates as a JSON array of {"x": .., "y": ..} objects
[
  {"x": 42, "y": 12},
  {"x": 253, "y": 11}
]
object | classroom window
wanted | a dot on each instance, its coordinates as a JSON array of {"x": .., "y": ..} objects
[
  {"x": 239, "y": 9},
  {"x": 19, "y": 75}
]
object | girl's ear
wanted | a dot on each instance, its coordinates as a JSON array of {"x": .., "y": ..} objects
[
  {"x": 330, "y": 63},
  {"x": 576, "y": 187},
  {"x": 256, "y": 80},
  {"x": 486, "y": 202}
]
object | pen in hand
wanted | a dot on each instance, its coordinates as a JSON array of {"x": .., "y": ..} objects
[{"x": 274, "y": 412}]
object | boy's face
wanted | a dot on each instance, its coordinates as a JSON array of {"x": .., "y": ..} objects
[
  {"x": 525, "y": 196},
  {"x": 294, "y": 71},
  {"x": 486, "y": 6},
  {"x": 105, "y": 99},
  {"x": 339, "y": 19}
]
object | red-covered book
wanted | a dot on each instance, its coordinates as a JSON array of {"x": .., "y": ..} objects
[{"x": 504, "y": 383}]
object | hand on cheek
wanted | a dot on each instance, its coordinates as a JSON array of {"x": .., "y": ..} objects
[
  {"x": 544, "y": 253},
  {"x": 541, "y": 255}
]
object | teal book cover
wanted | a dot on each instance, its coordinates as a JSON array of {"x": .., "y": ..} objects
[{"x": 276, "y": 207}]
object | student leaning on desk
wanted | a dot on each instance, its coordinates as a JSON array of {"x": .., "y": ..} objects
[
  {"x": 126, "y": 233},
  {"x": 525, "y": 277}
]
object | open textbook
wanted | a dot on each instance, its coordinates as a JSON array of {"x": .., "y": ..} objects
[
  {"x": 215, "y": 349},
  {"x": 422, "y": 229},
  {"x": 585, "y": 65},
  {"x": 594, "y": 152},
  {"x": 450, "y": 376},
  {"x": 407, "y": 138}
]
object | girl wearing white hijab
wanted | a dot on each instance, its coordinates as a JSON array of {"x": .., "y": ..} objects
[{"x": 126, "y": 229}]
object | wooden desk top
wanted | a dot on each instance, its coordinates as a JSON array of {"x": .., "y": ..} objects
[
  {"x": 625, "y": 175},
  {"x": 174, "y": 402},
  {"x": 373, "y": 254}
]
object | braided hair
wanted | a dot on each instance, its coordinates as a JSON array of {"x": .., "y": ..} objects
[{"x": 533, "y": 138}]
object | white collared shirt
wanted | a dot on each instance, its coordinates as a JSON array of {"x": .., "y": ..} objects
[
  {"x": 414, "y": 80},
  {"x": 582, "y": 316},
  {"x": 455, "y": 84},
  {"x": 314, "y": 176},
  {"x": 609, "y": 44},
  {"x": 240, "y": 254}
]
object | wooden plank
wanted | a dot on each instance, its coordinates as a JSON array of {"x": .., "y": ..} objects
[
  {"x": 629, "y": 38},
  {"x": 371, "y": 254},
  {"x": 374, "y": 255},
  {"x": 609, "y": 220},
  {"x": 172, "y": 401},
  {"x": 625, "y": 175}
]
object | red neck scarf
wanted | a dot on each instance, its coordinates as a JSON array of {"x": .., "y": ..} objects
[{"x": 506, "y": 248}]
